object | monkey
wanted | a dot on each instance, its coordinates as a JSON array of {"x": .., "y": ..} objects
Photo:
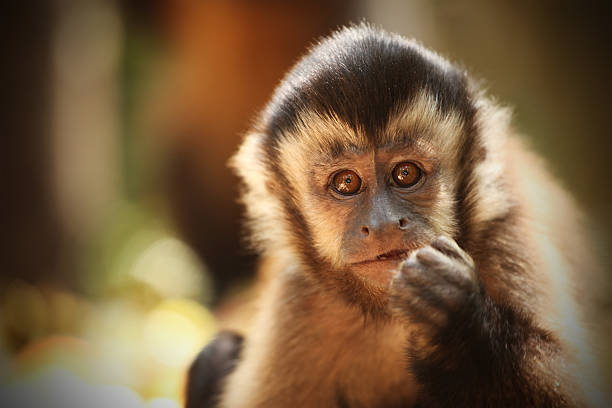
[{"x": 423, "y": 255}]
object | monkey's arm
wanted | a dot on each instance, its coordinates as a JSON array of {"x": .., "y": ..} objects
[{"x": 467, "y": 349}]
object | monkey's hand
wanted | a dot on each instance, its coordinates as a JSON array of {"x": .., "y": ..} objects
[
  {"x": 466, "y": 349},
  {"x": 436, "y": 285}
]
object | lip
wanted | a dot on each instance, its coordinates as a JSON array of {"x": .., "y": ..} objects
[{"x": 393, "y": 255}]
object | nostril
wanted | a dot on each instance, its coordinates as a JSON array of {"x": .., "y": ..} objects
[
  {"x": 403, "y": 223},
  {"x": 365, "y": 231}
]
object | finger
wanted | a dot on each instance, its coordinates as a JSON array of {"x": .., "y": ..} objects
[
  {"x": 450, "y": 248},
  {"x": 450, "y": 271}
]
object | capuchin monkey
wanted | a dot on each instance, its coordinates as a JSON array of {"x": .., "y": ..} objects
[{"x": 423, "y": 257}]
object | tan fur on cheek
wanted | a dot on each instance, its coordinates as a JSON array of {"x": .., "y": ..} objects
[
  {"x": 323, "y": 218},
  {"x": 328, "y": 225}
]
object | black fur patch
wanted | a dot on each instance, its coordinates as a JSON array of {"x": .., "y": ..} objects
[
  {"x": 475, "y": 364},
  {"x": 211, "y": 366},
  {"x": 361, "y": 75}
]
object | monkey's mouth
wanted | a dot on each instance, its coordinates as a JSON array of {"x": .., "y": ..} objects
[
  {"x": 394, "y": 255},
  {"x": 379, "y": 269}
]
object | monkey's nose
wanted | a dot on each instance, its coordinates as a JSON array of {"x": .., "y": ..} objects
[{"x": 389, "y": 227}]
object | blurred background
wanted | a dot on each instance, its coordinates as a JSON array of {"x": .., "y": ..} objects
[{"x": 120, "y": 226}]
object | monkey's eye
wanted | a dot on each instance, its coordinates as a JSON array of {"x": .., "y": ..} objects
[
  {"x": 406, "y": 174},
  {"x": 346, "y": 182}
]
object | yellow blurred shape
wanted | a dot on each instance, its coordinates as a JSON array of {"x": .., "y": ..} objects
[
  {"x": 176, "y": 330},
  {"x": 115, "y": 329},
  {"x": 171, "y": 268}
]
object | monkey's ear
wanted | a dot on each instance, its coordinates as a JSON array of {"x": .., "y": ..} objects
[
  {"x": 250, "y": 163},
  {"x": 211, "y": 366}
]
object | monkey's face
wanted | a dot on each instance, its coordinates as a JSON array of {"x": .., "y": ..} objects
[
  {"x": 367, "y": 205},
  {"x": 377, "y": 202},
  {"x": 369, "y": 148}
]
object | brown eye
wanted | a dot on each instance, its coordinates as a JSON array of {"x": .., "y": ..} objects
[
  {"x": 346, "y": 182},
  {"x": 406, "y": 174}
]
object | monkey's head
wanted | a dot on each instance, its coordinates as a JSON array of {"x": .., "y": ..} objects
[{"x": 370, "y": 147}]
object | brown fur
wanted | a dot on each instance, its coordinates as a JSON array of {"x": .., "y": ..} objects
[{"x": 325, "y": 337}]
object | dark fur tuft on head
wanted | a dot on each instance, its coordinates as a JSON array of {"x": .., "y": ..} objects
[{"x": 361, "y": 74}]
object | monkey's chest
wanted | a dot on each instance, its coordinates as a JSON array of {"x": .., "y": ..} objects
[{"x": 369, "y": 369}]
